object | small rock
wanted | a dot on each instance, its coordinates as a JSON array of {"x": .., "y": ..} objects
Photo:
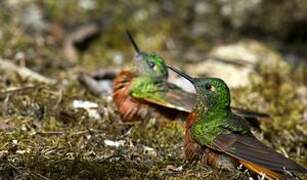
[
  {"x": 234, "y": 63},
  {"x": 20, "y": 152},
  {"x": 114, "y": 143},
  {"x": 118, "y": 58},
  {"x": 87, "y": 4},
  {"x": 150, "y": 151},
  {"x": 90, "y": 107},
  {"x": 173, "y": 168},
  {"x": 15, "y": 142},
  {"x": 33, "y": 18}
]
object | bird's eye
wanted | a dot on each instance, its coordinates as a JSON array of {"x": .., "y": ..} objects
[
  {"x": 209, "y": 87},
  {"x": 151, "y": 64}
]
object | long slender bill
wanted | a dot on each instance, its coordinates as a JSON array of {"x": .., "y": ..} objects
[
  {"x": 133, "y": 42},
  {"x": 181, "y": 73}
]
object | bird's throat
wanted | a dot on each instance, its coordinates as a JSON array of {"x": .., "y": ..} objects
[{"x": 206, "y": 111}]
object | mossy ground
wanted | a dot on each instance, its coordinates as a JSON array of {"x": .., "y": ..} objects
[{"x": 43, "y": 137}]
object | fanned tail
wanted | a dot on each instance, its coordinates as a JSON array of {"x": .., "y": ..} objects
[{"x": 269, "y": 174}]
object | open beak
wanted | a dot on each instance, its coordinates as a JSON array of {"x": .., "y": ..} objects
[{"x": 181, "y": 73}]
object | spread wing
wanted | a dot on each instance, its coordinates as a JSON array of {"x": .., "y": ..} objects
[
  {"x": 254, "y": 118},
  {"x": 248, "y": 148},
  {"x": 168, "y": 95},
  {"x": 249, "y": 114},
  {"x": 171, "y": 96}
]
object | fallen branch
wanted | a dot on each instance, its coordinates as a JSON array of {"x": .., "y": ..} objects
[{"x": 24, "y": 72}]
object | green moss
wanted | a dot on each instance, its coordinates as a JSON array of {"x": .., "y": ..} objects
[{"x": 279, "y": 91}]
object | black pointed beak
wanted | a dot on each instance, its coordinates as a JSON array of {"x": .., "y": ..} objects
[
  {"x": 136, "y": 48},
  {"x": 181, "y": 73}
]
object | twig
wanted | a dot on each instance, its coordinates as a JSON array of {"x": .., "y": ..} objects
[
  {"x": 59, "y": 99},
  {"x": 129, "y": 123},
  {"x": 90, "y": 131},
  {"x": 78, "y": 36},
  {"x": 51, "y": 133},
  {"x": 92, "y": 85},
  {"x": 111, "y": 157},
  {"x": 24, "y": 72},
  {"x": 18, "y": 89}
]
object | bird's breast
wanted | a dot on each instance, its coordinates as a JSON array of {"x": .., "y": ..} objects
[
  {"x": 130, "y": 109},
  {"x": 191, "y": 119}
]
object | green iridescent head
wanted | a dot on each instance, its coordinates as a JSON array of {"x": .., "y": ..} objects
[
  {"x": 149, "y": 63},
  {"x": 212, "y": 91}
]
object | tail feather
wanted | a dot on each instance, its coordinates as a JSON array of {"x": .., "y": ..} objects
[{"x": 269, "y": 174}]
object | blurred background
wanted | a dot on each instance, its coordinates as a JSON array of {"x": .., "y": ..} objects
[
  {"x": 207, "y": 36},
  {"x": 257, "y": 46}
]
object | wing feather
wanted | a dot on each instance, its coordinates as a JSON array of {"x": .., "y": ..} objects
[
  {"x": 171, "y": 96},
  {"x": 168, "y": 95},
  {"x": 248, "y": 148}
]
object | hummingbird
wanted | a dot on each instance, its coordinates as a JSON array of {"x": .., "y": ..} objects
[
  {"x": 223, "y": 139},
  {"x": 145, "y": 91}
]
